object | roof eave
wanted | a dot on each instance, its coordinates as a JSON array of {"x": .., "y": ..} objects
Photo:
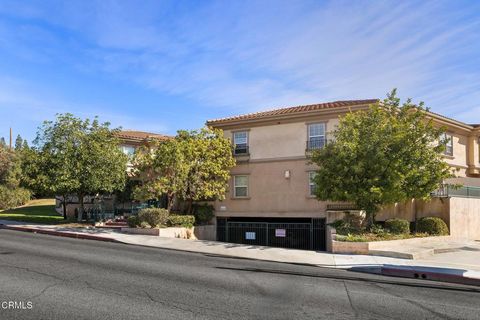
[{"x": 287, "y": 116}]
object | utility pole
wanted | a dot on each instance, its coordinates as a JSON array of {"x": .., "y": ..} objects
[{"x": 10, "y": 138}]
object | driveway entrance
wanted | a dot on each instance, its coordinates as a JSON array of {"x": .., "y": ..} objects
[{"x": 302, "y": 233}]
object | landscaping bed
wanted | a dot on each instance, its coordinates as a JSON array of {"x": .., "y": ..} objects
[{"x": 368, "y": 237}]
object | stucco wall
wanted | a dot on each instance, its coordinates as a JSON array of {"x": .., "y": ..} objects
[
  {"x": 271, "y": 194},
  {"x": 436, "y": 207},
  {"x": 465, "y": 218},
  {"x": 284, "y": 140}
]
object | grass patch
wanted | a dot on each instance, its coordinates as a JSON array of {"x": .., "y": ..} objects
[{"x": 35, "y": 211}]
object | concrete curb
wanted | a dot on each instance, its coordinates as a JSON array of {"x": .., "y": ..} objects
[
  {"x": 426, "y": 273},
  {"x": 59, "y": 233}
]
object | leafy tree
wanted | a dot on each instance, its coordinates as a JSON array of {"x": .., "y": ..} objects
[
  {"x": 2, "y": 142},
  {"x": 18, "y": 143},
  {"x": 209, "y": 157},
  {"x": 10, "y": 170},
  {"x": 386, "y": 154},
  {"x": 11, "y": 192},
  {"x": 163, "y": 171},
  {"x": 79, "y": 157},
  {"x": 193, "y": 166}
]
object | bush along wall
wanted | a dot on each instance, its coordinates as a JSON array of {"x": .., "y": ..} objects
[
  {"x": 397, "y": 226},
  {"x": 186, "y": 221},
  {"x": 432, "y": 225}
]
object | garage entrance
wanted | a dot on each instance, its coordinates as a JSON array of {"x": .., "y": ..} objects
[{"x": 302, "y": 233}]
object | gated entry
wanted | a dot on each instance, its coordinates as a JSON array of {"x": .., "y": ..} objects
[{"x": 301, "y": 234}]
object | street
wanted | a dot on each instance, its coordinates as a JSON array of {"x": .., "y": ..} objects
[{"x": 82, "y": 279}]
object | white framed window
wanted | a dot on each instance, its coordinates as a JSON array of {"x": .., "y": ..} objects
[
  {"x": 128, "y": 150},
  {"x": 316, "y": 136},
  {"x": 312, "y": 187},
  {"x": 240, "y": 186},
  {"x": 448, "y": 140},
  {"x": 240, "y": 141}
]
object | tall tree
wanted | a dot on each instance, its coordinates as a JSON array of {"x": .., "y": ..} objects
[
  {"x": 163, "y": 171},
  {"x": 208, "y": 154},
  {"x": 79, "y": 157},
  {"x": 18, "y": 142},
  {"x": 195, "y": 165},
  {"x": 2, "y": 142},
  {"x": 387, "y": 154}
]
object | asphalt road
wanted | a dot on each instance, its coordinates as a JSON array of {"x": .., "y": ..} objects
[{"x": 80, "y": 279}]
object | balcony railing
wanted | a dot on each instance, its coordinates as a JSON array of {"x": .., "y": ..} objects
[
  {"x": 241, "y": 150},
  {"x": 447, "y": 190},
  {"x": 316, "y": 143}
]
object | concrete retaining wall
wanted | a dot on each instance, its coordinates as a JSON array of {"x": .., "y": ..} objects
[
  {"x": 182, "y": 233},
  {"x": 465, "y": 218},
  {"x": 208, "y": 232}
]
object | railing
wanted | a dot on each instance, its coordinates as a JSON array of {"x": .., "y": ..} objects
[
  {"x": 447, "y": 190},
  {"x": 341, "y": 207},
  {"x": 240, "y": 150},
  {"x": 316, "y": 143}
]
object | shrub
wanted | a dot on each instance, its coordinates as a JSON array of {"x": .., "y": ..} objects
[
  {"x": 397, "y": 226},
  {"x": 11, "y": 198},
  {"x": 351, "y": 223},
  {"x": 153, "y": 216},
  {"x": 204, "y": 213},
  {"x": 186, "y": 221},
  {"x": 432, "y": 226},
  {"x": 133, "y": 221}
]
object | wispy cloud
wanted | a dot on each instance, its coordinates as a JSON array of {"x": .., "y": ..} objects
[{"x": 229, "y": 57}]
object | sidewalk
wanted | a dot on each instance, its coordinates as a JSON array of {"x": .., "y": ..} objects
[{"x": 460, "y": 265}]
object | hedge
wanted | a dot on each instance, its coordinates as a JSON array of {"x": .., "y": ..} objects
[
  {"x": 186, "y": 221},
  {"x": 154, "y": 217},
  {"x": 204, "y": 213},
  {"x": 397, "y": 226},
  {"x": 12, "y": 198},
  {"x": 133, "y": 221},
  {"x": 433, "y": 226}
]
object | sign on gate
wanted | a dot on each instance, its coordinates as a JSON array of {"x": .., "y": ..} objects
[
  {"x": 249, "y": 235},
  {"x": 280, "y": 233}
]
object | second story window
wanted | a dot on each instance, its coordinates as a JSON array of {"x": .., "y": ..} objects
[
  {"x": 316, "y": 136},
  {"x": 240, "y": 142},
  {"x": 448, "y": 140}
]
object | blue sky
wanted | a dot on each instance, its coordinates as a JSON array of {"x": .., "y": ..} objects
[{"x": 165, "y": 65}]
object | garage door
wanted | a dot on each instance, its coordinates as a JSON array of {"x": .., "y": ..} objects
[{"x": 305, "y": 234}]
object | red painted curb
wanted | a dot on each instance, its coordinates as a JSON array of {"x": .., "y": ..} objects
[
  {"x": 59, "y": 233},
  {"x": 423, "y": 274}
]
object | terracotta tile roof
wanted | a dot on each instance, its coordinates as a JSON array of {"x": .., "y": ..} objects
[
  {"x": 140, "y": 135},
  {"x": 293, "y": 110}
]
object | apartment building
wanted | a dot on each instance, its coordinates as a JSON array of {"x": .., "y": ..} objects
[{"x": 271, "y": 198}]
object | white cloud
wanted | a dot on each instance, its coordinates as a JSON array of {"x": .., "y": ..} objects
[{"x": 245, "y": 56}]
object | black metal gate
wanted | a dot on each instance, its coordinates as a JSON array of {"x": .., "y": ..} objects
[{"x": 293, "y": 234}]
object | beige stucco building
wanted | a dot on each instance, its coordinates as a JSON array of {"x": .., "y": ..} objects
[{"x": 272, "y": 178}]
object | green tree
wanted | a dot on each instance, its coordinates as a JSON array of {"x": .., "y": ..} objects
[
  {"x": 79, "y": 157},
  {"x": 11, "y": 192},
  {"x": 193, "y": 166},
  {"x": 18, "y": 143},
  {"x": 2, "y": 142},
  {"x": 10, "y": 169},
  {"x": 163, "y": 171},
  {"x": 209, "y": 158},
  {"x": 386, "y": 154}
]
